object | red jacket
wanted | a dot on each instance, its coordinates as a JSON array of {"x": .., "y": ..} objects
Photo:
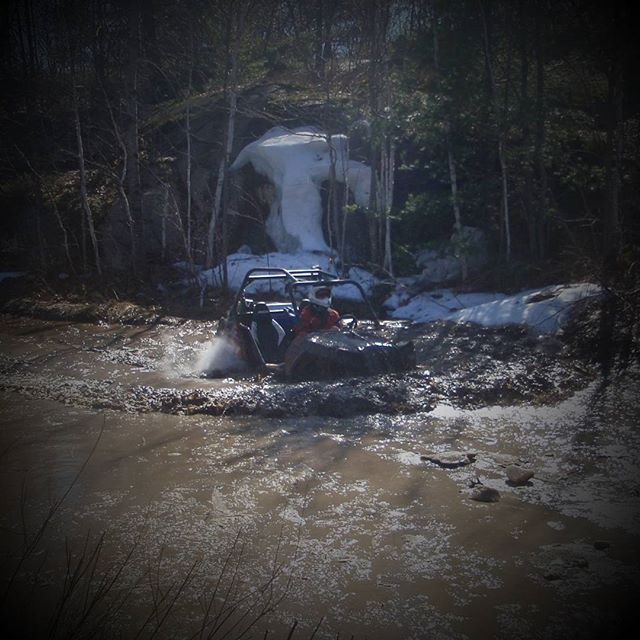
[{"x": 310, "y": 322}]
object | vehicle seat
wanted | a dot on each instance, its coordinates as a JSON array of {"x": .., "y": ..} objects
[
  {"x": 267, "y": 332},
  {"x": 286, "y": 318}
]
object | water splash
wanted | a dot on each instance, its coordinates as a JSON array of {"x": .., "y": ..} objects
[
  {"x": 221, "y": 357},
  {"x": 179, "y": 357}
]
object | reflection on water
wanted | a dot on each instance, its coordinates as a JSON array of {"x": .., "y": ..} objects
[{"x": 340, "y": 515}]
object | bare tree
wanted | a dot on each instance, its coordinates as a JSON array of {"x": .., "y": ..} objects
[
  {"x": 540, "y": 134},
  {"x": 235, "y": 29},
  {"x": 376, "y": 19},
  {"x": 56, "y": 211},
  {"x": 86, "y": 207},
  {"x": 387, "y": 171},
  {"x": 614, "y": 137},
  {"x": 122, "y": 183},
  {"x": 451, "y": 161},
  {"x": 187, "y": 124},
  {"x": 501, "y": 130},
  {"x": 131, "y": 135}
]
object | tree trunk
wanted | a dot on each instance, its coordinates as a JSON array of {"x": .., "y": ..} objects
[
  {"x": 453, "y": 180},
  {"x": 333, "y": 225},
  {"x": 319, "y": 45},
  {"x": 453, "y": 176},
  {"x": 218, "y": 210},
  {"x": 217, "y": 215},
  {"x": 41, "y": 246},
  {"x": 189, "y": 196},
  {"x": 83, "y": 241},
  {"x": 131, "y": 133},
  {"x": 122, "y": 184},
  {"x": 189, "y": 151},
  {"x": 525, "y": 128},
  {"x": 345, "y": 211},
  {"x": 23, "y": 49},
  {"x": 165, "y": 211},
  {"x": 83, "y": 182},
  {"x": 33, "y": 51},
  {"x": 540, "y": 213},
  {"x": 506, "y": 217},
  {"x": 506, "y": 223},
  {"x": 387, "y": 171},
  {"x": 179, "y": 222},
  {"x": 56, "y": 212},
  {"x": 611, "y": 226},
  {"x": 377, "y": 19},
  {"x": 372, "y": 213}
]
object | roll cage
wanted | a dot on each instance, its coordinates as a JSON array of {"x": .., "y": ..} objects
[{"x": 242, "y": 308}]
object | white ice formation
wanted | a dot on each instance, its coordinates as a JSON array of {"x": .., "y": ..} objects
[{"x": 297, "y": 162}]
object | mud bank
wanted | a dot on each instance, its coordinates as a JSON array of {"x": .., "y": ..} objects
[
  {"x": 111, "y": 312},
  {"x": 154, "y": 369},
  {"x": 387, "y": 394}
]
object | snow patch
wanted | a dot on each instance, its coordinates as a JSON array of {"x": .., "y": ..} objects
[
  {"x": 238, "y": 264},
  {"x": 544, "y": 310},
  {"x": 365, "y": 279},
  {"x": 440, "y": 304},
  {"x": 297, "y": 162}
]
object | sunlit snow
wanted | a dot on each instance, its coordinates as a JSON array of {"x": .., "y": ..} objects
[
  {"x": 297, "y": 162},
  {"x": 543, "y": 310}
]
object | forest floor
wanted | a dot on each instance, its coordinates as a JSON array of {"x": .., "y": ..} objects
[{"x": 113, "y": 301}]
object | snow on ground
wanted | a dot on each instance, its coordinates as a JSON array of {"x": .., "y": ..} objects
[
  {"x": 238, "y": 264},
  {"x": 365, "y": 279},
  {"x": 435, "y": 305},
  {"x": 543, "y": 310}
]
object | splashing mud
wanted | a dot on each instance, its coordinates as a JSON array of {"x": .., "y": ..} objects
[{"x": 154, "y": 369}]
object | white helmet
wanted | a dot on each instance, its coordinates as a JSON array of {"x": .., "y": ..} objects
[{"x": 320, "y": 296}]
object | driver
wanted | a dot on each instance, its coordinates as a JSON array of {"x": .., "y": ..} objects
[{"x": 316, "y": 313}]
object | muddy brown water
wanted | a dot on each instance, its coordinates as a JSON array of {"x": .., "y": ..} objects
[{"x": 303, "y": 518}]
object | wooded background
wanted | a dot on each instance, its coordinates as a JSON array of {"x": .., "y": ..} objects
[{"x": 119, "y": 121}]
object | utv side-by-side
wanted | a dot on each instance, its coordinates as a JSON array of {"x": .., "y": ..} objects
[{"x": 263, "y": 330}]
